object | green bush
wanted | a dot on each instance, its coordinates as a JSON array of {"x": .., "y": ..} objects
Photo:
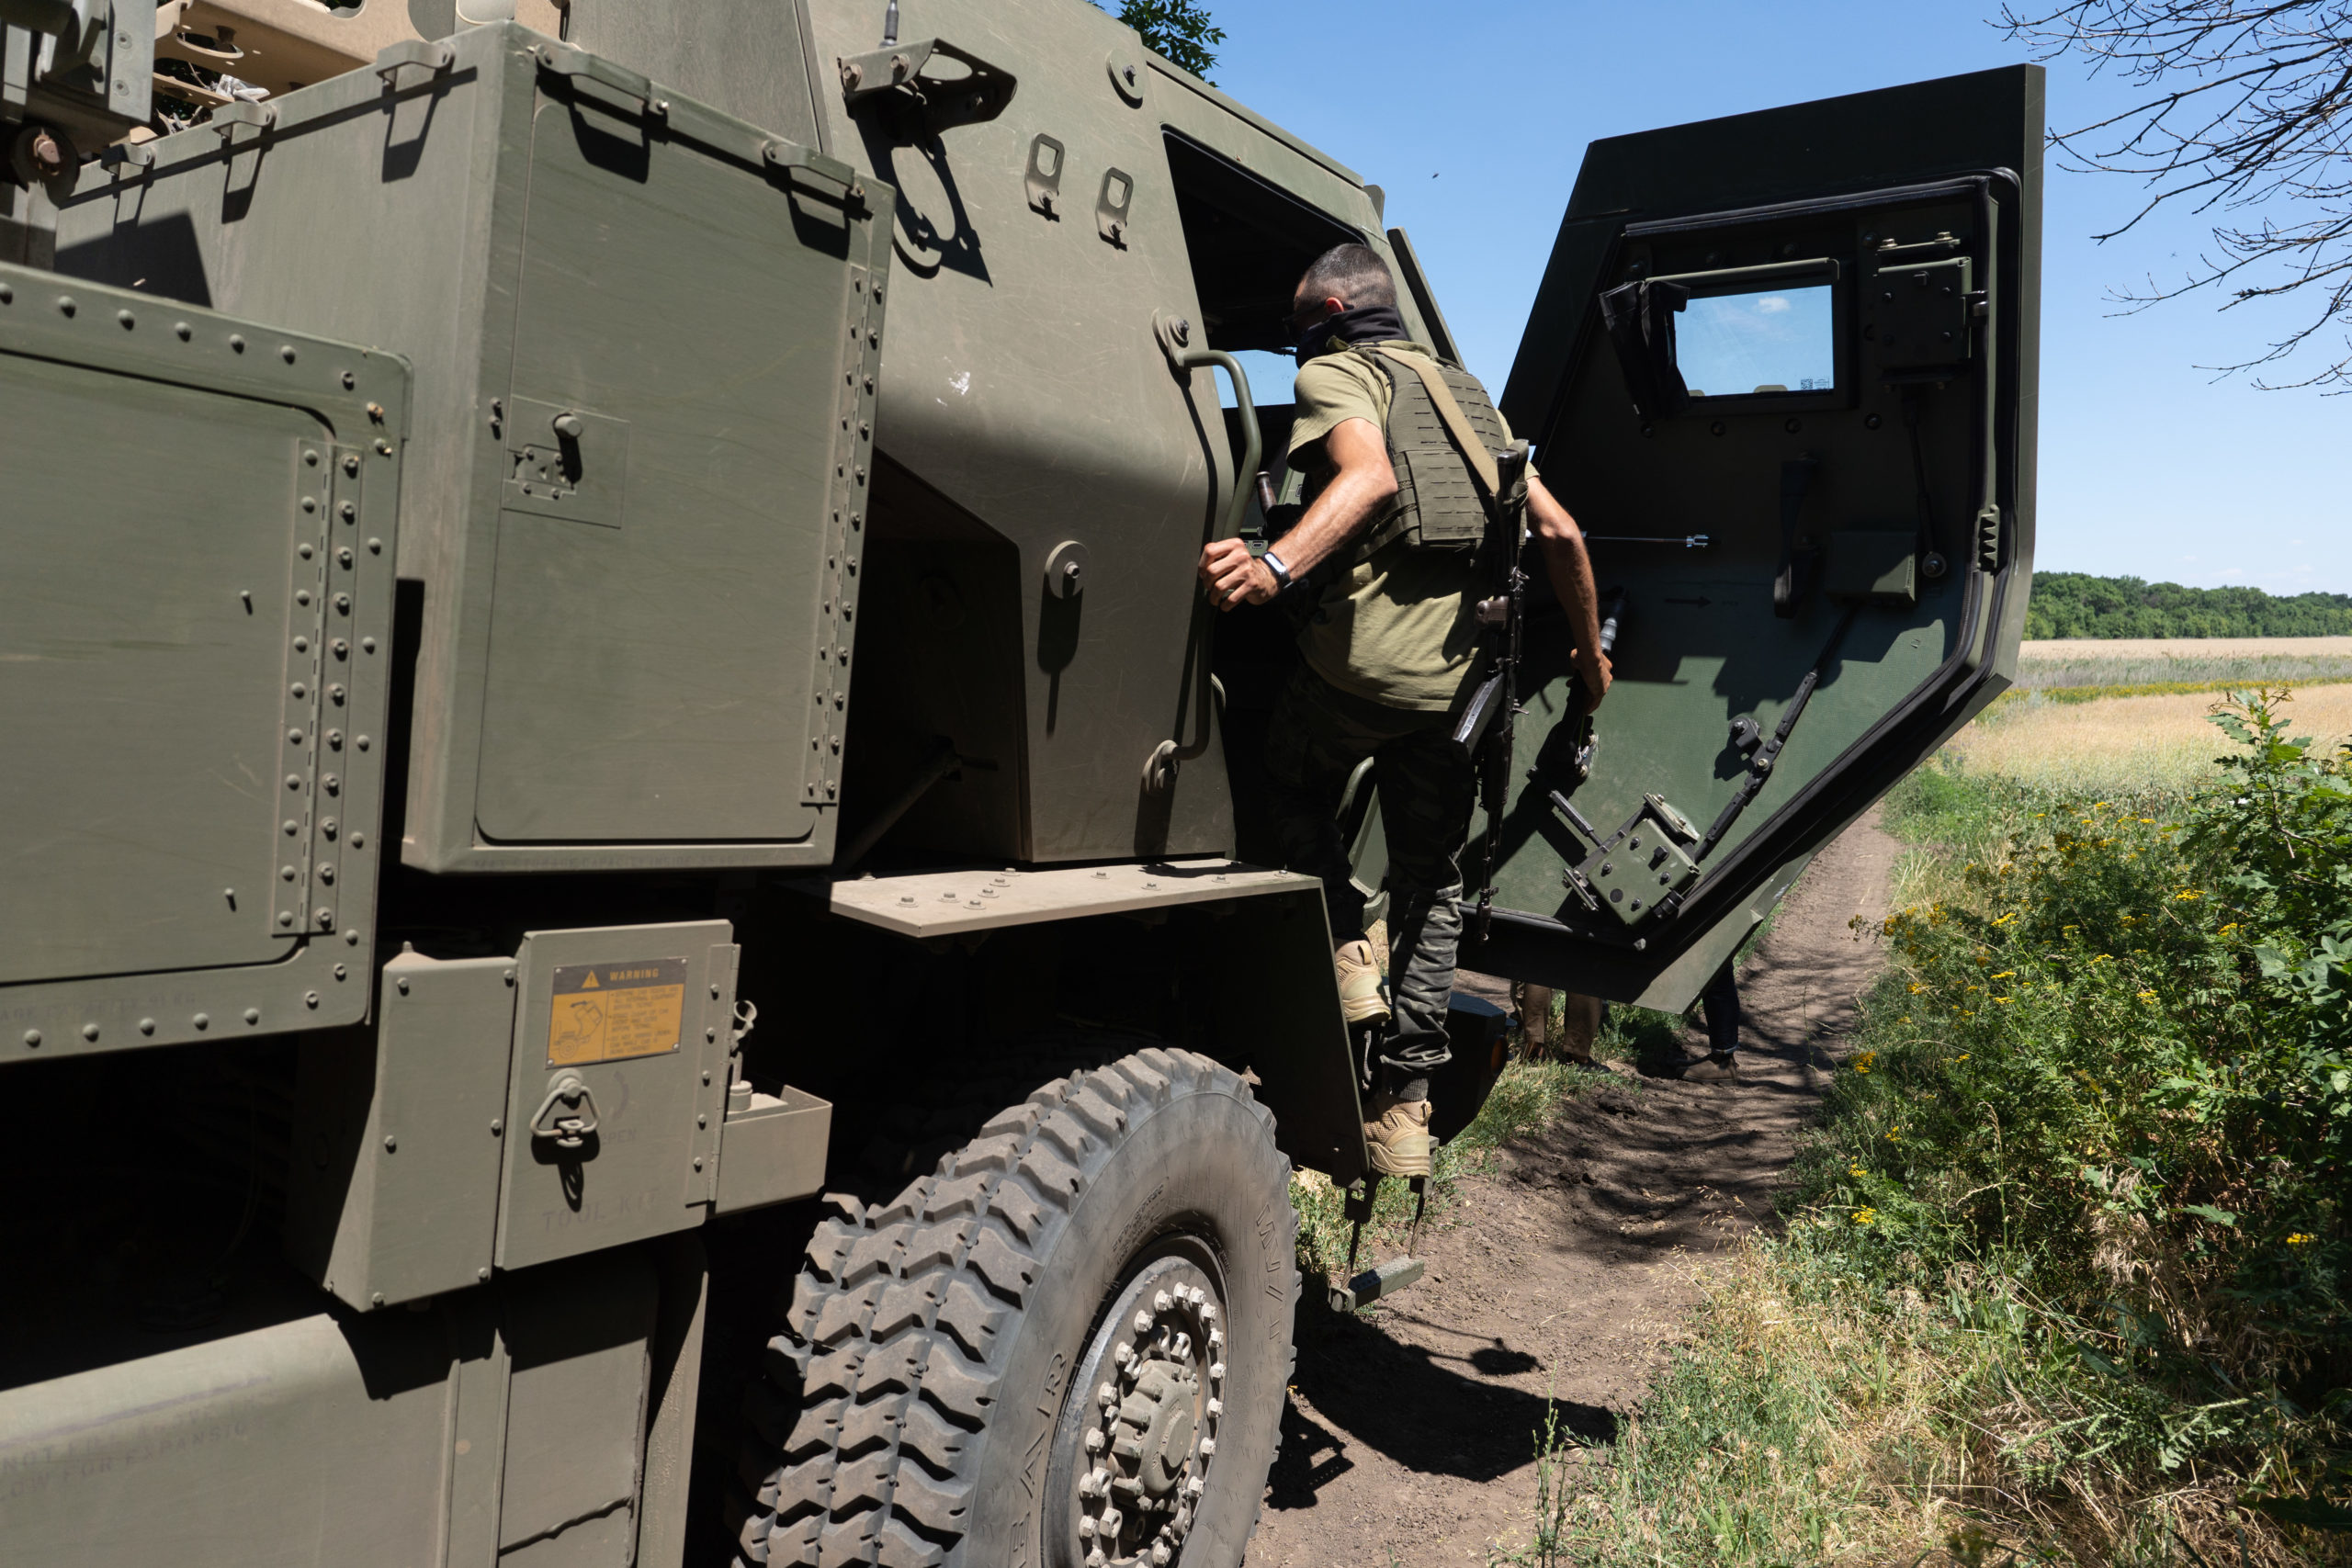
[
  {"x": 2069, "y": 1268},
  {"x": 2125, "y": 1058}
]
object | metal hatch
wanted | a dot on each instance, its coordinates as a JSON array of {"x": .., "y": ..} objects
[
  {"x": 195, "y": 642},
  {"x": 1816, "y": 507}
]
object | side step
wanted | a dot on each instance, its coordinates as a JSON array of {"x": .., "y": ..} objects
[{"x": 1374, "y": 1283}]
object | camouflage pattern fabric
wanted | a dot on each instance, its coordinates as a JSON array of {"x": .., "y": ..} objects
[{"x": 1320, "y": 733}]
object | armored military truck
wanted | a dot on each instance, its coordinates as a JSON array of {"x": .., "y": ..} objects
[{"x": 639, "y": 921}]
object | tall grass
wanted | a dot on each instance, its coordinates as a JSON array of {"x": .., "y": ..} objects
[
  {"x": 2131, "y": 745},
  {"x": 2247, "y": 661},
  {"x": 2068, "y": 1280}
]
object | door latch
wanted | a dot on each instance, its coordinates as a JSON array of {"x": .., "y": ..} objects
[{"x": 567, "y": 1116}]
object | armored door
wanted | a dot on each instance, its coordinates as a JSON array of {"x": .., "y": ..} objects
[{"x": 1781, "y": 370}]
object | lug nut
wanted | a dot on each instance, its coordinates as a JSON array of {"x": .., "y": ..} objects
[{"x": 1159, "y": 1303}]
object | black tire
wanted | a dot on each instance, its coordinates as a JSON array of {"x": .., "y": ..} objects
[{"x": 919, "y": 1410}]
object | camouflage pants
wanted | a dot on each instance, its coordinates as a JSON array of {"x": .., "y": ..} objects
[{"x": 1320, "y": 733}]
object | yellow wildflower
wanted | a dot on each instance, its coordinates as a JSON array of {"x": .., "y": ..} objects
[
  {"x": 1961, "y": 1057},
  {"x": 1865, "y": 1214},
  {"x": 1916, "y": 988},
  {"x": 2147, "y": 995},
  {"x": 2188, "y": 893},
  {"x": 1865, "y": 1062},
  {"x": 2000, "y": 999},
  {"x": 2299, "y": 1239},
  {"x": 2004, "y": 974}
]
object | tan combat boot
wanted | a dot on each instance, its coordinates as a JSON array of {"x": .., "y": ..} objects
[
  {"x": 1398, "y": 1132},
  {"x": 1362, "y": 967}
]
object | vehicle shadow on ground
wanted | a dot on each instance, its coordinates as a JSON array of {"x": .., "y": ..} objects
[{"x": 1362, "y": 1384}]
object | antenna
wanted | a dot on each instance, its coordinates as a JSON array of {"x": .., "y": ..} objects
[{"x": 890, "y": 25}]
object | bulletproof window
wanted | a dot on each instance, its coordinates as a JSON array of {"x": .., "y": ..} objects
[{"x": 1758, "y": 340}]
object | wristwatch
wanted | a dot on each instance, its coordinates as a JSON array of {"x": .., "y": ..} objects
[{"x": 1274, "y": 564}]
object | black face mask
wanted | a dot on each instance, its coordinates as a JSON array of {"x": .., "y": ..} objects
[{"x": 1365, "y": 323}]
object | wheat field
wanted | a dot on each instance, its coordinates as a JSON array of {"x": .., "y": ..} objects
[
  {"x": 2148, "y": 662},
  {"x": 2125, "y": 745}
]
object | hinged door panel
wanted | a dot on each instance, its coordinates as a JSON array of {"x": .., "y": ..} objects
[
  {"x": 686, "y": 441},
  {"x": 1781, "y": 372},
  {"x": 195, "y": 642}
]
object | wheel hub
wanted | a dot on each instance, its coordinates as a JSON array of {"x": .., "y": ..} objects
[{"x": 1149, "y": 1434}]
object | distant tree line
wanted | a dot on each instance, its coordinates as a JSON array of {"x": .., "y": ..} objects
[{"x": 2075, "y": 603}]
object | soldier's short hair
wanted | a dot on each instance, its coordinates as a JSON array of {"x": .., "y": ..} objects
[{"x": 1353, "y": 272}]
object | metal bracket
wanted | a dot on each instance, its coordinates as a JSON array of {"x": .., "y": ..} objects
[
  {"x": 1111, "y": 217},
  {"x": 1639, "y": 872},
  {"x": 568, "y": 1131},
  {"x": 792, "y": 156},
  {"x": 241, "y": 115},
  {"x": 1374, "y": 1283},
  {"x": 941, "y": 102},
  {"x": 1045, "y": 185},
  {"x": 431, "y": 59},
  {"x": 562, "y": 60}
]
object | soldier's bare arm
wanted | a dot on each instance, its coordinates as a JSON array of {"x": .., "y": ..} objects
[
  {"x": 1571, "y": 572},
  {"x": 1360, "y": 486}
]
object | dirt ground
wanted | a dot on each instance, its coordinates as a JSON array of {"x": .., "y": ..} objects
[{"x": 1410, "y": 1438}]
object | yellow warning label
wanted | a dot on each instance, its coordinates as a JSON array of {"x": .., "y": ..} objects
[{"x": 608, "y": 1012}]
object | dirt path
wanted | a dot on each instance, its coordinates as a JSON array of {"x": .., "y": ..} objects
[{"x": 1409, "y": 1436}]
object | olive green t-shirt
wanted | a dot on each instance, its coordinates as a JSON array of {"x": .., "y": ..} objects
[{"x": 1401, "y": 628}]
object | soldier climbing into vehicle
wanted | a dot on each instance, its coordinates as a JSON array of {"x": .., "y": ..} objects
[{"x": 1405, "y": 511}]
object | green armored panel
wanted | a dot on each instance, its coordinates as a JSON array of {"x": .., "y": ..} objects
[
  {"x": 1817, "y": 515},
  {"x": 195, "y": 649},
  {"x": 393, "y": 1183},
  {"x": 318, "y": 1437},
  {"x": 502, "y": 1424},
  {"x": 619, "y": 1082},
  {"x": 646, "y": 335},
  {"x": 1027, "y": 406}
]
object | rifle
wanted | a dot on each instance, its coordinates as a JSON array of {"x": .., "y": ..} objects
[{"x": 1489, "y": 722}]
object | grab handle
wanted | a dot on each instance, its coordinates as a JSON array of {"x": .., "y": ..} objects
[{"x": 1175, "y": 341}]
